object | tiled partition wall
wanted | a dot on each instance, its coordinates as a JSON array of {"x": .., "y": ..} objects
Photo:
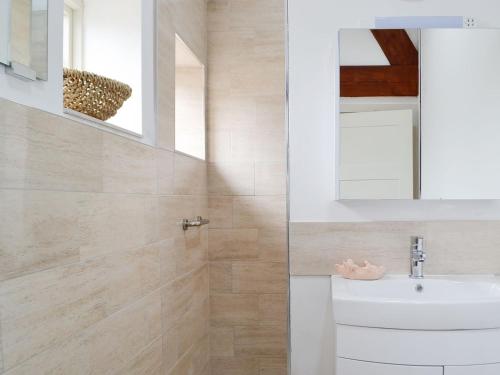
[
  {"x": 247, "y": 235},
  {"x": 96, "y": 276},
  {"x": 453, "y": 247}
]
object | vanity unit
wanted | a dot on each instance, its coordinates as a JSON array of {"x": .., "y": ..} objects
[{"x": 402, "y": 326}]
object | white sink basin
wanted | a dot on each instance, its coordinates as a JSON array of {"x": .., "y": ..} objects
[{"x": 433, "y": 303}]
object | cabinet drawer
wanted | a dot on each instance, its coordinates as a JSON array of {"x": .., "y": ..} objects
[
  {"x": 493, "y": 369},
  {"x": 419, "y": 348},
  {"x": 350, "y": 367}
]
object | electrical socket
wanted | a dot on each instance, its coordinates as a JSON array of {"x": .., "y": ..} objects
[{"x": 469, "y": 22}]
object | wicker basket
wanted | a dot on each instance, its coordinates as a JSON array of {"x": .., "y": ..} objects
[{"x": 94, "y": 95}]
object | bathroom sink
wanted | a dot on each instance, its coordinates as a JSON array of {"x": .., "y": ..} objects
[{"x": 432, "y": 303}]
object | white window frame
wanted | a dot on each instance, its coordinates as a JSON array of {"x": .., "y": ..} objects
[
  {"x": 149, "y": 94},
  {"x": 75, "y": 10}
]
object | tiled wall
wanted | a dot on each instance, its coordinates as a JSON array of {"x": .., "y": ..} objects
[
  {"x": 96, "y": 275},
  {"x": 453, "y": 247},
  {"x": 247, "y": 205}
]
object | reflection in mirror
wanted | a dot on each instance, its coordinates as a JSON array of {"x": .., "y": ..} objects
[
  {"x": 39, "y": 38},
  {"x": 379, "y": 119},
  {"x": 460, "y": 117},
  {"x": 20, "y": 32},
  {"x": 23, "y": 44},
  {"x": 4, "y": 31}
]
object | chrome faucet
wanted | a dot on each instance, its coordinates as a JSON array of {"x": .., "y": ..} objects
[{"x": 417, "y": 258}]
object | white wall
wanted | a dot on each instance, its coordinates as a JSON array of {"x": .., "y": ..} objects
[
  {"x": 312, "y": 329},
  {"x": 313, "y": 53},
  {"x": 313, "y": 106},
  {"x": 460, "y": 102}
]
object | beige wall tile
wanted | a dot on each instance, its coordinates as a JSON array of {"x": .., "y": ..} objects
[
  {"x": 43, "y": 309},
  {"x": 193, "y": 327},
  {"x": 190, "y": 175},
  {"x": 83, "y": 271},
  {"x": 128, "y": 166},
  {"x": 227, "y": 310},
  {"x": 221, "y": 342},
  {"x": 109, "y": 222},
  {"x": 165, "y": 134},
  {"x": 221, "y": 277},
  {"x": 243, "y": 145},
  {"x": 219, "y": 146},
  {"x": 170, "y": 350},
  {"x": 449, "y": 246},
  {"x": 43, "y": 151},
  {"x": 147, "y": 362},
  {"x": 226, "y": 49},
  {"x": 165, "y": 171},
  {"x": 104, "y": 347},
  {"x": 247, "y": 103},
  {"x": 231, "y": 178},
  {"x": 182, "y": 295},
  {"x": 196, "y": 361},
  {"x": 191, "y": 250},
  {"x": 330, "y": 243},
  {"x": 218, "y": 15},
  {"x": 168, "y": 261},
  {"x": 1, "y": 346},
  {"x": 259, "y": 277},
  {"x": 171, "y": 211},
  {"x": 270, "y": 178},
  {"x": 250, "y": 79},
  {"x": 259, "y": 212},
  {"x": 233, "y": 244},
  {"x": 270, "y": 111},
  {"x": 273, "y": 244},
  {"x": 316, "y": 247},
  {"x": 235, "y": 366},
  {"x": 273, "y": 366},
  {"x": 220, "y": 212},
  {"x": 267, "y": 341},
  {"x": 191, "y": 25},
  {"x": 227, "y": 113},
  {"x": 273, "y": 308},
  {"x": 271, "y": 147},
  {"x": 38, "y": 230}
]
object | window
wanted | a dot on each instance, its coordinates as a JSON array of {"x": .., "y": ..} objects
[
  {"x": 189, "y": 102},
  {"x": 115, "y": 39},
  {"x": 72, "y": 34}
]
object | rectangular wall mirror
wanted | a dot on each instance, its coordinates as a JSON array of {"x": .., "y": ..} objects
[
  {"x": 419, "y": 114},
  {"x": 23, "y": 39}
]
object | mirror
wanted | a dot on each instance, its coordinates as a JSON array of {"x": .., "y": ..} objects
[
  {"x": 418, "y": 114},
  {"x": 23, "y": 43},
  {"x": 4, "y": 31}
]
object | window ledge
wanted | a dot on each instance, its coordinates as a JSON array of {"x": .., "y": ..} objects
[{"x": 103, "y": 125}]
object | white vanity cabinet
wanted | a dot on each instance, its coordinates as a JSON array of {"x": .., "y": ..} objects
[
  {"x": 493, "y": 369},
  {"x": 431, "y": 326},
  {"x": 384, "y": 351},
  {"x": 351, "y": 367}
]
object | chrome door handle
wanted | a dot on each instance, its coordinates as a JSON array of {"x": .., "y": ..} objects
[{"x": 198, "y": 222}]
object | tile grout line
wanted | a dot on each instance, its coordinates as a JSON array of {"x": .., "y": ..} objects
[
  {"x": 88, "y": 328},
  {"x": 110, "y": 316}
]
